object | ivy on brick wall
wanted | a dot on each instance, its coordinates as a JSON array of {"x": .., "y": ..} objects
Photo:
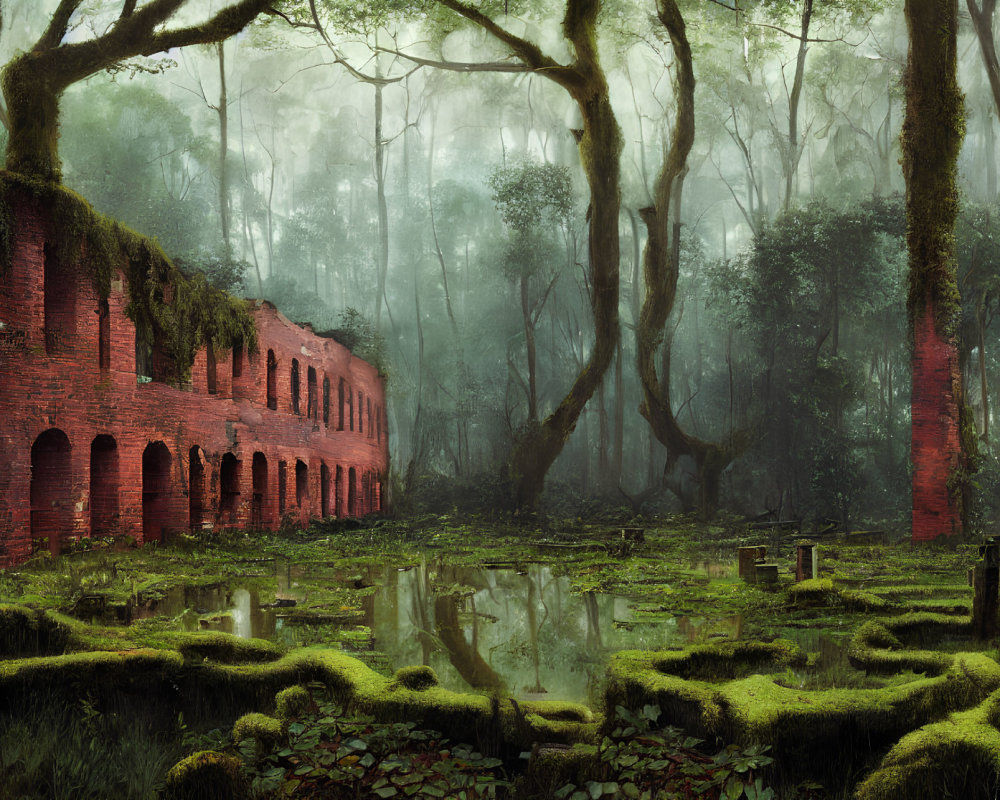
[{"x": 176, "y": 313}]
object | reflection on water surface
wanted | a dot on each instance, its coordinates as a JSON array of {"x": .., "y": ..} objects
[{"x": 522, "y": 631}]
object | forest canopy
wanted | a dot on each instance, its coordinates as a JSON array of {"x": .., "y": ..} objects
[{"x": 644, "y": 253}]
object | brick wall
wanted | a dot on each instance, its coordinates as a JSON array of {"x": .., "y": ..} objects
[{"x": 88, "y": 447}]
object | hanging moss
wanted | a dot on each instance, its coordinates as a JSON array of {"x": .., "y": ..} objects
[{"x": 179, "y": 314}]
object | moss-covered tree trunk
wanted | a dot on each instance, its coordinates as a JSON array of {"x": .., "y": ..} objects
[
  {"x": 33, "y": 82},
  {"x": 931, "y": 139},
  {"x": 538, "y": 444},
  {"x": 660, "y": 272}
]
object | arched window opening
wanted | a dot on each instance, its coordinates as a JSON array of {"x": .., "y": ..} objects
[
  {"x": 103, "y": 335},
  {"x": 365, "y": 493},
  {"x": 51, "y": 490},
  {"x": 143, "y": 359},
  {"x": 257, "y": 509},
  {"x": 338, "y": 491},
  {"x": 350, "y": 407},
  {"x": 301, "y": 484},
  {"x": 156, "y": 492},
  {"x": 312, "y": 409},
  {"x": 324, "y": 490},
  {"x": 196, "y": 487},
  {"x": 210, "y": 367},
  {"x": 103, "y": 485},
  {"x": 361, "y": 412},
  {"x": 352, "y": 492},
  {"x": 229, "y": 488},
  {"x": 237, "y": 361},
  {"x": 272, "y": 381},
  {"x": 296, "y": 392},
  {"x": 340, "y": 401},
  {"x": 326, "y": 400},
  {"x": 371, "y": 433},
  {"x": 59, "y": 286},
  {"x": 282, "y": 486}
]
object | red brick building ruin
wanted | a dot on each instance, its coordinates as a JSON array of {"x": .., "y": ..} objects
[{"x": 92, "y": 445}]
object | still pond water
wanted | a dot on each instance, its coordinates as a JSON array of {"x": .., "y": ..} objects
[{"x": 521, "y": 630}]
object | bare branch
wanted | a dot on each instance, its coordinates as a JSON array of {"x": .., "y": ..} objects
[
  {"x": 460, "y": 66},
  {"x": 799, "y": 37},
  {"x": 528, "y": 52}
]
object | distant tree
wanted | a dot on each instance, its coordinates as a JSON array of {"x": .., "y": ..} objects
[
  {"x": 600, "y": 144},
  {"x": 531, "y": 197},
  {"x": 34, "y": 81},
  {"x": 943, "y": 451},
  {"x": 814, "y": 296}
]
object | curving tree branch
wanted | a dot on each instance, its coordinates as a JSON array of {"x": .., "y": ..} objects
[{"x": 33, "y": 82}]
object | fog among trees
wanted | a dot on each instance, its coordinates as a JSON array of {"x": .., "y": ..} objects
[{"x": 650, "y": 254}]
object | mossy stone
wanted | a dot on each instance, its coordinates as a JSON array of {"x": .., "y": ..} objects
[
  {"x": 292, "y": 702},
  {"x": 417, "y": 678},
  {"x": 206, "y": 775},
  {"x": 266, "y": 731}
]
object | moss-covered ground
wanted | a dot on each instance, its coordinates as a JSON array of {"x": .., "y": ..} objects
[{"x": 834, "y": 674}]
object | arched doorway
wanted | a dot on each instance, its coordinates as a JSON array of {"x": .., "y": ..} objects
[
  {"x": 155, "y": 491},
  {"x": 338, "y": 491},
  {"x": 324, "y": 490},
  {"x": 103, "y": 486},
  {"x": 272, "y": 381},
  {"x": 229, "y": 488},
  {"x": 51, "y": 489},
  {"x": 352, "y": 492},
  {"x": 196, "y": 487},
  {"x": 302, "y": 484},
  {"x": 257, "y": 508}
]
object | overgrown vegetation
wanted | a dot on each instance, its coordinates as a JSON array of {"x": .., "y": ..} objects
[
  {"x": 789, "y": 693},
  {"x": 174, "y": 314}
]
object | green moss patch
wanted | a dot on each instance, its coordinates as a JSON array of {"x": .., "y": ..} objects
[
  {"x": 727, "y": 660},
  {"x": 823, "y": 592},
  {"x": 266, "y": 731},
  {"x": 226, "y": 649},
  {"x": 956, "y": 757},
  {"x": 206, "y": 775},
  {"x": 875, "y": 649},
  {"x": 292, "y": 702},
  {"x": 834, "y": 730},
  {"x": 416, "y": 678},
  {"x": 28, "y": 632}
]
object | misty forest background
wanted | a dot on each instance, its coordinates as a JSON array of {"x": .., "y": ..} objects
[{"x": 437, "y": 218}]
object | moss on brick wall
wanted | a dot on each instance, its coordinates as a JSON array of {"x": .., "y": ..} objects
[{"x": 179, "y": 313}]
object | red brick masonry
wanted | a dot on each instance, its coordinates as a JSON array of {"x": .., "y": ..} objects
[
  {"x": 90, "y": 448},
  {"x": 934, "y": 445}
]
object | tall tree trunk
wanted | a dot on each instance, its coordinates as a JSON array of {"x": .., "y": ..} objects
[
  {"x": 982, "y": 22},
  {"x": 382, "y": 254},
  {"x": 618, "y": 445},
  {"x": 941, "y": 449},
  {"x": 794, "y": 149},
  {"x": 527, "y": 318},
  {"x": 223, "y": 111},
  {"x": 983, "y": 382},
  {"x": 660, "y": 272}
]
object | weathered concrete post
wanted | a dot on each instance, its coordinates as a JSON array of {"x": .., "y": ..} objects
[
  {"x": 748, "y": 558},
  {"x": 986, "y": 582},
  {"x": 806, "y": 562}
]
